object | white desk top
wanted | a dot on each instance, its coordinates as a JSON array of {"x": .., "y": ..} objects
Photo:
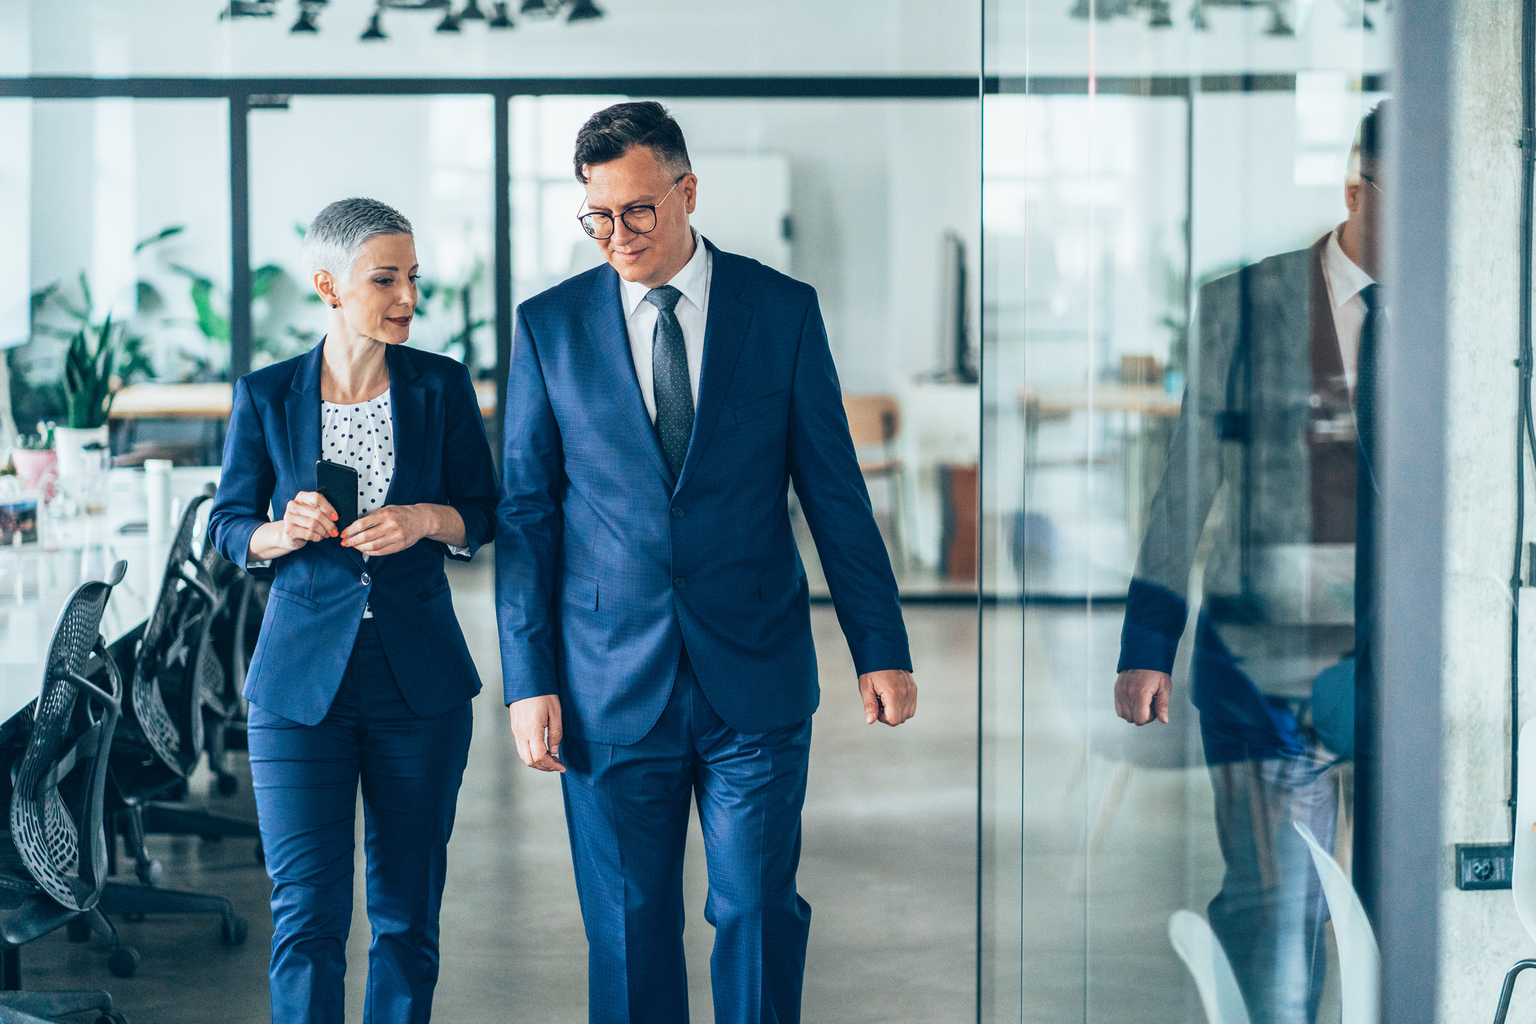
[{"x": 36, "y": 580}]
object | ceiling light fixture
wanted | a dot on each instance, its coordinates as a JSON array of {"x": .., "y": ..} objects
[
  {"x": 450, "y": 23},
  {"x": 375, "y": 30},
  {"x": 584, "y": 10},
  {"x": 472, "y": 12},
  {"x": 500, "y": 19},
  {"x": 306, "y": 22},
  {"x": 249, "y": 9}
]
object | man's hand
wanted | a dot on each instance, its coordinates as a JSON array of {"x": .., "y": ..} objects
[
  {"x": 536, "y": 727},
  {"x": 1142, "y": 694},
  {"x": 890, "y": 696}
]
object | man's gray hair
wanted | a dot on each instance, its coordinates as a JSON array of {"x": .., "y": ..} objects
[{"x": 335, "y": 237}]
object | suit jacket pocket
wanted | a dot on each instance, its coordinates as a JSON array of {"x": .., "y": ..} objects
[
  {"x": 298, "y": 599},
  {"x": 580, "y": 591},
  {"x": 774, "y": 580},
  {"x": 431, "y": 592},
  {"x": 758, "y": 407}
]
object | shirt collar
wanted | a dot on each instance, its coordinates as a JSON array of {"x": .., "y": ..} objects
[
  {"x": 1345, "y": 279},
  {"x": 692, "y": 281}
]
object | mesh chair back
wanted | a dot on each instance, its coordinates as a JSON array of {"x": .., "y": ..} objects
[
  {"x": 166, "y": 696},
  {"x": 56, "y": 803}
]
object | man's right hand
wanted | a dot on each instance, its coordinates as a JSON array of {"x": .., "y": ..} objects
[
  {"x": 536, "y": 727},
  {"x": 1142, "y": 694}
]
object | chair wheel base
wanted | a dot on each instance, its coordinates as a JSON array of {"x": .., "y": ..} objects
[
  {"x": 124, "y": 962},
  {"x": 233, "y": 930},
  {"x": 227, "y": 785}
]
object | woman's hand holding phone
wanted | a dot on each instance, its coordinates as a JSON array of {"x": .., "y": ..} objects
[{"x": 308, "y": 517}]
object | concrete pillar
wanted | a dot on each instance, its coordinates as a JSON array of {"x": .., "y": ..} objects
[{"x": 1480, "y": 934}]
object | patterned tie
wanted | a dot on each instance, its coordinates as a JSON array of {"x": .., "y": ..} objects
[{"x": 669, "y": 378}]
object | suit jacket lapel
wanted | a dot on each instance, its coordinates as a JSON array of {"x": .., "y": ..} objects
[
  {"x": 303, "y": 409},
  {"x": 608, "y": 340},
  {"x": 408, "y": 420},
  {"x": 724, "y": 332}
]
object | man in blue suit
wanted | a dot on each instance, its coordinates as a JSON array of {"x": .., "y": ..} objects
[{"x": 655, "y": 627}]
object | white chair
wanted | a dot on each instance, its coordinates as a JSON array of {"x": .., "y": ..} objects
[
  {"x": 1359, "y": 956},
  {"x": 1201, "y": 952},
  {"x": 1523, "y": 881}
]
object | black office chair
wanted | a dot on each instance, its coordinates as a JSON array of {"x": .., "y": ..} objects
[
  {"x": 232, "y": 641},
  {"x": 53, "y": 856},
  {"x": 175, "y": 675}
]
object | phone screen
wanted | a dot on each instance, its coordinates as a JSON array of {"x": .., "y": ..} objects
[{"x": 338, "y": 484}]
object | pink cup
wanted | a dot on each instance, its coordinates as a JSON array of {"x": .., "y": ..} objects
[{"x": 38, "y": 470}]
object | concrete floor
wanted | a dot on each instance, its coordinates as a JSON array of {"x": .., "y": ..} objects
[{"x": 888, "y": 866}]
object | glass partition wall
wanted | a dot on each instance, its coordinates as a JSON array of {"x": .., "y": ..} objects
[{"x": 1169, "y": 486}]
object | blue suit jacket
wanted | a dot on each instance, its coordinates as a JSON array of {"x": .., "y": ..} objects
[
  {"x": 319, "y": 591},
  {"x": 606, "y": 566}
]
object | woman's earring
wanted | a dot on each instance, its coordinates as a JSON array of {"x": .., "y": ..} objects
[{"x": 335, "y": 305}]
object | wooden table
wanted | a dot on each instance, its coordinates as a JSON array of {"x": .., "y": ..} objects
[
  {"x": 213, "y": 401},
  {"x": 1058, "y": 402}
]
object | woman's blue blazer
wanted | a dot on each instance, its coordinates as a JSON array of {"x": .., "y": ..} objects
[{"x": 319, "y": 591}]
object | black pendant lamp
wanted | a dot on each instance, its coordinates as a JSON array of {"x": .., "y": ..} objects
[
  {"x": 500, "y": 19},
  {"x": 584, "y": 10},
  {"x": 472, "y": 12},
  {"x": 375, "y": 30}
]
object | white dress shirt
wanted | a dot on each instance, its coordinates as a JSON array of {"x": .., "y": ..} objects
[
  {"x": 692, "y": 311},
  {"x": 1345, "y": 283}
]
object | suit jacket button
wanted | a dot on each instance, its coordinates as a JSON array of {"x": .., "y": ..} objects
[
  {"x": 677, "y": 512},
  {"x": 680, "y": 583},
  {"x": 365, "y": 579}
]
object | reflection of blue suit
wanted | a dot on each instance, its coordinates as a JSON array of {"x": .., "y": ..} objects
[
  {"x": 674, "y": 614},
  {"x": 340, "y": 702}
]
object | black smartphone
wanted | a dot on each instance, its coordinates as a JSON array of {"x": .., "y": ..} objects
[{"x": 338, "y": 485}]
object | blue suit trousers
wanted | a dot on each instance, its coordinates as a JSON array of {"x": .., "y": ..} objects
[
  {"x": 627, "y": 810},
  {"x": 306, "y": 780}
]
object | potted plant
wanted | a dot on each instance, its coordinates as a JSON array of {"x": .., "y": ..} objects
[
  {"x": 35, "y": 462},
  {"x": 87, "y": 396}
]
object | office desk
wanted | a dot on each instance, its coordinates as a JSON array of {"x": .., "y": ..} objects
[
  {"x": 36, "y": 580},
  {"x": 213, "y": 401}
]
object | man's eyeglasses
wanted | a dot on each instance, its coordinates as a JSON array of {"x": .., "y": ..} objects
[
  {"x": 639, "y": 219},
  {"x": 1372, "y": 182}
]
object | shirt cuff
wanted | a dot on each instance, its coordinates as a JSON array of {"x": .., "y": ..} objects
[{"x": 461, "y": 552}]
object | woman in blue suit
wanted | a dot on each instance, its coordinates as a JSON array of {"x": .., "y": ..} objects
[{"x": 361, "y": 674}]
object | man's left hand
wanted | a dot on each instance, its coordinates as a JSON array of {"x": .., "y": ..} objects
[
  {"x": 890, "y": 696},
  {"x": 392, "y": 528}
]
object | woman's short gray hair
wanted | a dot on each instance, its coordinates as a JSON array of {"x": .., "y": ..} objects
[{"x": 335, "y": 237}]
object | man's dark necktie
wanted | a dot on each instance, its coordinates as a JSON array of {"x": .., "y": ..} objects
[
  {"x": 669, "y": 379},
  {"x": 1367, "y": 490}
]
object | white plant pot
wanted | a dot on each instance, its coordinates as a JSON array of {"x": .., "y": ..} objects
[{"x": 70, "y": 443}]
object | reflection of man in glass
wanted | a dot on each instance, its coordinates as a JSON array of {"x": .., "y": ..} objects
[{"x": 1266, "y": 456}]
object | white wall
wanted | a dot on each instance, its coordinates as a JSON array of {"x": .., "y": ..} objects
[{"x": 654, "y": 37}]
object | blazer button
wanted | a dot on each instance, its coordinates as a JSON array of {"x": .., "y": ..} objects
[
  {"x": 677, "y": 512},
  {"x": 680, "y": 583},
  {"x": 365, "y": 579}
]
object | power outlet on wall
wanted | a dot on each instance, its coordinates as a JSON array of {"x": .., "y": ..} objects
[{"x": 1484, "y": 865}]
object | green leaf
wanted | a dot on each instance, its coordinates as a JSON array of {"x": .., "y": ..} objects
[
  {"x": 213, "y": 326},
  {"x": 85, "y": 290},
  {"x": 165, "y": 233},
  {"x": 263, "y": 279}
]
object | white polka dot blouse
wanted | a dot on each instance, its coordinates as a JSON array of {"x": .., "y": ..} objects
[{"x": 361, "y": 436}]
